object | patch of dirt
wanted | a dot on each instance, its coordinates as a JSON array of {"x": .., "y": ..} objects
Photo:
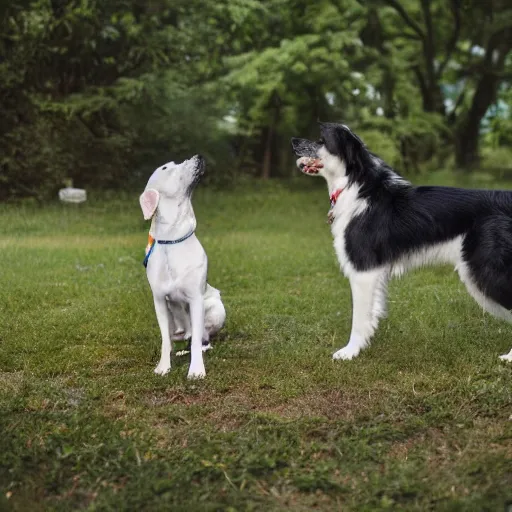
[
  {"x": 172, "y": 396},
  {"x": 456, "y": 441},
  {"x": 11, "y": 382},
  {"x": 330, "y": 404},
  {"x": 401, "y": 449},
  {"x": 232, "y": 409}
]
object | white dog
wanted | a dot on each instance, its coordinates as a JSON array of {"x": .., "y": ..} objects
[
  {"x": 214, "y": 317},
  {"x": 176, "y": 264}
]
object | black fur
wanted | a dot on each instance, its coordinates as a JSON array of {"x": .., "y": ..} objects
[
  {"x": 199, "y": 171},
  {"x": 371, "y": 173},
  {"x": 487, "y": 248},
  {"x": 402, "y": 218}
]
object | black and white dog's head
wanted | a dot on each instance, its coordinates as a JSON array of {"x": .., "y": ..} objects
[
  {"x": 336, "y": 152},
  {"x": 340, "y": 153}
]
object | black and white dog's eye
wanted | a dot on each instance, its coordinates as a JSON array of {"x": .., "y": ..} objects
[{"x": 320, "y": 141}]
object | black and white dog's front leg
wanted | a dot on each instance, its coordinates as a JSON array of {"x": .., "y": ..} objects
[
  {"x": 369, "y": 296},
  {"x": 166, "y": 324},
  {"x": 196, "y": 369}
]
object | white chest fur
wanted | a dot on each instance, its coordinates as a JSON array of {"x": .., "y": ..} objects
[{"x": 346, "y": 208}]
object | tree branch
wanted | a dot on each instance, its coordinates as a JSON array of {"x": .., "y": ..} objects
[
  {"x": 428, "y": 45},
  {"x": 452, "y": 116},
  {"x": 399, "y": 8},
  {"x": 421, "y": 81},
  {"x": 434, "y": 100},
  {"x": 455, "y": 37},
  {"x": 405, "y": 35}
]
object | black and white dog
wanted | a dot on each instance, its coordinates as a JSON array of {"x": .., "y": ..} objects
[{"x": 383, "y": 226}]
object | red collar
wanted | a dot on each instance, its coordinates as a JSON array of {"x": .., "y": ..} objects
[{"x": 334, "y": 196}]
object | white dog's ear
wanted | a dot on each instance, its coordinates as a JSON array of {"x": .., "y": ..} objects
[{"x": 148, "y": 202}]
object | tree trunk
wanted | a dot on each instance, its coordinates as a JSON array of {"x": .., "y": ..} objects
[
  {"x": 468, "y": 130},
  {"x": 267, "y": 156},
  {"x": 433, "y": 100},
  {"x": 467, "y": 154},
  {"x": 372, "y": 36},
  {"x": 266, "y": 170}
]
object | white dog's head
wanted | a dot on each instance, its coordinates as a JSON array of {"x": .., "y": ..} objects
[{"x": 171, "y": 181}]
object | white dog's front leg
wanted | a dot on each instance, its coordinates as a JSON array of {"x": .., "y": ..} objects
[
  {"x": 180, "y": 330},
  {"x": 196, "y": 369},
  {"x": 165, "y": 323},
  {"x": 368, "y": 304}
]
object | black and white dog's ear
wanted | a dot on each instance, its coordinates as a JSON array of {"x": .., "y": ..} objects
[
  {"x": 341, "y": 141},
  {"x": 353, "y": 135}
]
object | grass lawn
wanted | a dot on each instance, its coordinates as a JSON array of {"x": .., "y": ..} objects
[{"x": 422, "y": 420}]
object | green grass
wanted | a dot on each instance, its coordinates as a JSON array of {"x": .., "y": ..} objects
[{"x": 420, "y": 421}]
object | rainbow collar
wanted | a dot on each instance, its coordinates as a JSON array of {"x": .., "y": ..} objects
[{"x": 152, "y": 242}]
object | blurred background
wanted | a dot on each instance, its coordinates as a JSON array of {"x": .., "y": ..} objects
[{"x": 101, "y": 92}]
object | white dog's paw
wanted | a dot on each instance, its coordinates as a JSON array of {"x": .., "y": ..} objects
[
  {"x": 196, "y": 373},
  {"x": 162, "y": 368},
  {"x": 346, "y": 353},
  {"x": 206, "y": 346},
  {"x": 507, "y": 357}
]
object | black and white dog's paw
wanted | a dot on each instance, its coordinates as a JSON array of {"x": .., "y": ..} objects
[{"x": 346, "y": 353}]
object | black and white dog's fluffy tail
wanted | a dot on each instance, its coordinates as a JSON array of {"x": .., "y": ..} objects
[{"x": 383, "y": 226}]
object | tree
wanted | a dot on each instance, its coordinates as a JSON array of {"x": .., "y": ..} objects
[
  {"x": 100, "y": 92},
  {"x": 463, "y": 44},
  {"x": 294, "y": 68},
  {"x": 77, "y": 79}
]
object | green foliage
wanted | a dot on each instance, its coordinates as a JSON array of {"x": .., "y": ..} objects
[
  {"x": 101, "y": 92},
  {"x": 78, "y": 78},
  {"x": 497, "y": 158},
  {"x": 383, "y": 145},
  {"x": 498, "y": 133},
  {"x": 456, "y": 56},
  {"x": 300, "y": 72},
  {"x": 172, "y": 122}
]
